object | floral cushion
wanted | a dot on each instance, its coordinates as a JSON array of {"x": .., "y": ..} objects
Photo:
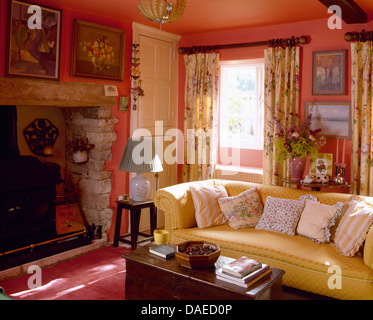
[
  {"x": 281, "y": 215},
  {"x": 242, "y": 211}
]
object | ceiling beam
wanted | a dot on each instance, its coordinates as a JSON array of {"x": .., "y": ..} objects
[{"x": 351, "y": 12}]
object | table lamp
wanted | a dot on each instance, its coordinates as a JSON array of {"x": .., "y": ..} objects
[{"x": 139, "y": 156}]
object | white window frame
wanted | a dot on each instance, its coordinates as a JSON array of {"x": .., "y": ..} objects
[{"x": 243, "y": 144}]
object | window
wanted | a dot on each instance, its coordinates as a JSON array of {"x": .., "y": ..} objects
[{"x": 241, "y": 104}]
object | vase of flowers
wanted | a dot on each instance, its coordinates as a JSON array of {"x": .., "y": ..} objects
[
  {"x": 80, "y": 147},
  {"x": 295, "y": 143}
]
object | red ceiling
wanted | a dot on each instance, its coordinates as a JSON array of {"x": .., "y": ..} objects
[{"x": 211, "y": 15}]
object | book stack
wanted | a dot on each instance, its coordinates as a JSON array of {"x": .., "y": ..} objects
[
  {"x": 243, "y": 272},
  {"x": 162, "y": 251}
]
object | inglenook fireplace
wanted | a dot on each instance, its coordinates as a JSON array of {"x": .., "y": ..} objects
[
  {"x": 86, "y": 109},
  {"x": 27, "y": 199}
]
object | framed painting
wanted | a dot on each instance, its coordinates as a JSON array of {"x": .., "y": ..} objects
[
  {"x": 333, "y": 118},
  {"x": 33, "y": 41},
  {"x": 329, "y": 72},
  {"x": 322, "y": 163},
  {"x": 97, "y": 51}
]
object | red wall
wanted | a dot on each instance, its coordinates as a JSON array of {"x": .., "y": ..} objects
[
  {"x": 122, "y": 128},
  {"x": 322, "y": 38}
]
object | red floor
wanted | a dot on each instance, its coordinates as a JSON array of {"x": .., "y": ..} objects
[{"x": 98, "y": 275}]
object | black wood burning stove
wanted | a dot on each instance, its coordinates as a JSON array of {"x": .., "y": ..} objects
[{"x": 27, "y": 193}]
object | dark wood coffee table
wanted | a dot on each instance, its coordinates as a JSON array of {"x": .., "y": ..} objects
[{"x": 149, "y": 277}]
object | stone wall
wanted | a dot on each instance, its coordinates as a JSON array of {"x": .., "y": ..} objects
[{"x": 90, "y": 181}]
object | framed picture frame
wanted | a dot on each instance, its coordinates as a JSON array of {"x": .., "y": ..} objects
[
  {"x": 329, "y": 72},
  {"x": 97, "y": 51},
  {"x": 333, "y": 118},
  {"x": 322, "y": 163},
  {"x": 33, "y": 41}
]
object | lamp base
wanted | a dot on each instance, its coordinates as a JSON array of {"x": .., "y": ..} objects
[{"x": 139, "y": 188}]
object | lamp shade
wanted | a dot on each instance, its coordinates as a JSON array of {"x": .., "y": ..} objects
[
  {"x": 162, "y": 11},
  {"x": 140, "y": 155}
]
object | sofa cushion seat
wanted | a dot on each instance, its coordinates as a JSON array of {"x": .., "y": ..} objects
[{"x": 297, "y": 254}]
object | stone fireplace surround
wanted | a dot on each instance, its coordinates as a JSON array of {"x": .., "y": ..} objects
[
  {"x": 86, "y": 111},
  {"x": 90, "y": 180}
]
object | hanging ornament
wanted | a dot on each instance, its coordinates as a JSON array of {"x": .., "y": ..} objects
[{"x": 136, "y": 89}]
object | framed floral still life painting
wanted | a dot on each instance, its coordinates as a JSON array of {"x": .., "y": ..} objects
[
  {"x": 33, "y": 41},
  {"x": 329, "y": 72},
  {"x": 97, "y": 51}
]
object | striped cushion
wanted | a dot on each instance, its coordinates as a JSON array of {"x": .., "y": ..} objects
[
  {"x": 207, "y": 210},
  {"x": 353, "y": 228}
]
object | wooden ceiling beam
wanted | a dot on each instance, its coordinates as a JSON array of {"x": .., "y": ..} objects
[{"x": 351, "y": 12}]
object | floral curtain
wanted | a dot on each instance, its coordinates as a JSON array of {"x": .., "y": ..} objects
[
  {"x": 362, "y": 125},
  {"x": 200, "y": 115},
  {"x": 281, "y": 101}
]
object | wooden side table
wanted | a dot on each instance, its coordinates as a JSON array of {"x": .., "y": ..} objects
[
  {"x": 317, "y": 186},
  {"x": 135, "y": 208}
]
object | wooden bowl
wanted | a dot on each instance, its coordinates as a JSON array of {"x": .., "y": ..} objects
[{"x": 197, "y": 261}]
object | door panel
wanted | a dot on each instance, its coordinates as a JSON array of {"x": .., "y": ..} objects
[
  {"x": 156, "y": 63},
  {"x": 164, "y": 94}
]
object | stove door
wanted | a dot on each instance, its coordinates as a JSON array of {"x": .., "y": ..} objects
[{"x": 27, "y": 217}]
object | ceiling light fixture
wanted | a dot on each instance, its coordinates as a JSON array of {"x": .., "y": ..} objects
[{"x": 162, "y": 11}]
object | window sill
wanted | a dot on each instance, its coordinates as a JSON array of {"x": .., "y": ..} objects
[
  {"x": 240, "y": 173},
  {"x": 223, "y": 167}
]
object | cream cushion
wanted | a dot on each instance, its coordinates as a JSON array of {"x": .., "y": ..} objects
[
  {"x": 315, "y": 221},
  {"x": 353, "y": 228},
  {"x": 206, "y": 207}
]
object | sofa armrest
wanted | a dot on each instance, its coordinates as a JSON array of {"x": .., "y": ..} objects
[
  {"x": 368, "y": 249},
  {"x": 177, "y": 203},
  {"x": 163, "y": 200}
]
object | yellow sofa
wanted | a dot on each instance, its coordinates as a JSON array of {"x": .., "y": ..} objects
[{"x": 309, "y": 265}]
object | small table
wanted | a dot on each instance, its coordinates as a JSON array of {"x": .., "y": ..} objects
[
  {"x": 316, "y": 186},
  {"x": 135, "y": 208},
  {"x": 149, "y": 277}
]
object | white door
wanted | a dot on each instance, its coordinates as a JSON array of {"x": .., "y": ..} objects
[
  {"x": 156, "y": 63},
  {"x": 158, "y": 106}
]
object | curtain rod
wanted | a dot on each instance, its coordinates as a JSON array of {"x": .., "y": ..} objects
[
  {"x": 271, "y": 43},
  {"x": 356, "y": 36}
]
